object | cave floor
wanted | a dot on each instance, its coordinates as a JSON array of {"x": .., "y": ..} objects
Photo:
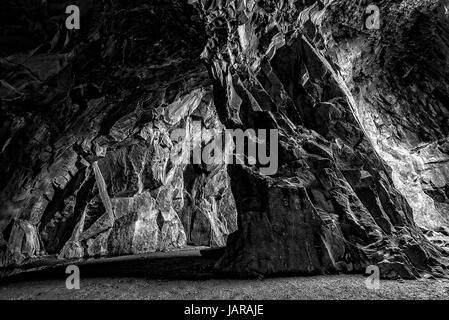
[
  {"x": 345, "y": 287},
  {"x": 189, "y": 275}
]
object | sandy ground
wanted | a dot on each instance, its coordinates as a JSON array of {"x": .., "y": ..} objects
[{"x": 319, "y": 287}]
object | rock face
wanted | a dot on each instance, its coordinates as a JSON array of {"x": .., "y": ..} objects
[
  {"x": 398, "y": 77},
  {"x": 90, "y": 164},
  {"x": 333, "y": 204}
]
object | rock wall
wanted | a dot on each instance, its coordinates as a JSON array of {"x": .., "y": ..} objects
[
  {"x": 333, "y": 205},
  {"x": 398, "y": 76},
  {"x": 89, "y": 165}
]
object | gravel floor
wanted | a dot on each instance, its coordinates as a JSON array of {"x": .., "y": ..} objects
[
  {"x": 319, "y": 287},
  {"x": 187, "y": 274}
]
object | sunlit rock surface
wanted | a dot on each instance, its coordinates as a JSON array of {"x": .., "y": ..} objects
[
  {"x": 399, "y": 78},
  {"x": 333, "y": 205}
]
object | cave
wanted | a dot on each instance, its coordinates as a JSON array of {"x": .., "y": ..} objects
[{"x": 89, "y": 168}]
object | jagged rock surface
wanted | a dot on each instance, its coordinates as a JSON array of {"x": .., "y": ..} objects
[
  {"x": 333, "y": 205},
  {"x": 87, "y": 165},
  {"x": 398, "y": 76}
]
